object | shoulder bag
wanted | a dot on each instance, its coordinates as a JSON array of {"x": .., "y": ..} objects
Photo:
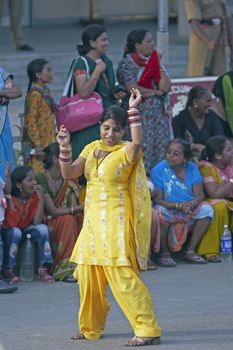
[{"x": 74, "y": 112}]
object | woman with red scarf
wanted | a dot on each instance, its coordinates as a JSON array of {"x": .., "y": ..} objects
[{"x": 140, "y": 68}]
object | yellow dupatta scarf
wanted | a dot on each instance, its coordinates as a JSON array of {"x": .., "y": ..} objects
[{"x": 140, "y": 202}]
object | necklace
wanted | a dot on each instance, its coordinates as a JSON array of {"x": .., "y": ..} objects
[{"x": 96, "y": 173}]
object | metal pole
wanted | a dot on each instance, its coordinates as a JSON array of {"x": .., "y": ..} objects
[{"x": 162, "y": 33}]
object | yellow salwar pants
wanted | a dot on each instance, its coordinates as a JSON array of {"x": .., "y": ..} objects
[
  {"x": 129, "y": 291},
  {"x": 210, "y": 243}
]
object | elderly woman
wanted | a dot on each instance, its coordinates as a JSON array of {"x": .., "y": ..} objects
[
  {"x": 179, "y": 197},
  {"x": 197, "y": 122},
  {"x": 217, "y": 172},
  {"x": 140, "y": 68}
]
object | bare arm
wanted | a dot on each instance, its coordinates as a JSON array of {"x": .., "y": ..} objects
[
  {"x": 39, "y": 215},
  {"x": 218, "y": 191},
  {"x": 165, "y": 82},
  {"x": 84, "y": 85},
  {"x": 68, "y": 170},
  {"x": 55, "y": 212},
  {"x": 135, "y": 126},
  {"x": 11, "y": 90},
  {"x": 8, "y": 185},
  {"x": 144, "y": 91}
]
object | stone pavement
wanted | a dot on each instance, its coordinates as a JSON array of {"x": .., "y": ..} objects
[{"x": 193, "y": 304}]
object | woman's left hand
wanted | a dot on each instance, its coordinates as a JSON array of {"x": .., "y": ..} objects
[{"x": 135, "y": 98}]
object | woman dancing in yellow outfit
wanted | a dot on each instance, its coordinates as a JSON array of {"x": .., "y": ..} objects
[{"x": 113, "y": 244}]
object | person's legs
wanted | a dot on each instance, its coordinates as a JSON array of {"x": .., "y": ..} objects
[
  {"x": 12, "y": 239},
  {"x": 210, "y": 242},
  {"x": 15, "y": 12},
  {"x": 134, "y": 299},
  {"x": 40, "y": 235},
  {"x": 94, "y": 305},
  {"x": 165, "y": 258}
]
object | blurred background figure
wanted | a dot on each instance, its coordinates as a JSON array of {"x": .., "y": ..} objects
[
  {"x": 8, "y": 90},
  {"x": 15, "y": 12},
  {"x": 210, "y": 37}
]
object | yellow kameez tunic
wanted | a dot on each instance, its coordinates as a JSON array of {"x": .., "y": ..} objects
[{"x": 114, "y": 242}]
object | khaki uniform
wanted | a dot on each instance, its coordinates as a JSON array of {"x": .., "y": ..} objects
[
  {"x": 15, "y": 12},
  {"x": 203, "y": 61}
]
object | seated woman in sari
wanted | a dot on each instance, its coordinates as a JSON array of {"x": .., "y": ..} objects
[
  {"x": 179, "y": 200},
  {"x": 217, "y": 174},
  {"x": 64, "y": 215}
]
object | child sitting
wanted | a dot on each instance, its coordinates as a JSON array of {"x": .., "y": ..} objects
[{"x": 24, "y": 215}]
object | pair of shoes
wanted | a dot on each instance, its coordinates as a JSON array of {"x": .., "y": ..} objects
[
  {"x": 10, "y": 275},
  {"x": 143, "y": 341},
  {"x": 78, "y": 336},
  {"x": 69, "y": 279},
  {"x": 166, "y": 260},
  {"x": 44, "y": 276},
  {"x": 193, "y": 258},
  {"x": 25, "y": 47},
  {"x": 6, "y": 287},
  {"x": 151, "y": 265},
  {"x": 214, "y": 259}
]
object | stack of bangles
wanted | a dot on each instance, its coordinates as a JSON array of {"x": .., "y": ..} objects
[
  {"x": 134, "y": 117},
  {"x": 65, "y": 154}
]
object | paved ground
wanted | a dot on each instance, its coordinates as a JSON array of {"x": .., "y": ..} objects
[{"x": 193, "y": 304}]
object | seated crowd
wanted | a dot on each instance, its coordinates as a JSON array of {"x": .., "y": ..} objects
[{"x": 191, "y": 189}]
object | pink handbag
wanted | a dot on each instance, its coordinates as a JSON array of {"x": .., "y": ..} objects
[{"x": 76, "y": 113}]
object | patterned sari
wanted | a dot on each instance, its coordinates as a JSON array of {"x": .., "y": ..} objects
[
  {"x": 223, "y": 208},
  {"x": 64, "y": 229}
]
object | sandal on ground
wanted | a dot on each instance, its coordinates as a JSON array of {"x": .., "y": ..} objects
[
  {"x": 193, "y": 258},
  {"x": 143, "y": 341},
  {"x": 166, "y": 260},
  {"x": 78, "y": 336},
  {"x": 11, "y": 277},
  {"x": 44, "y": 276},
  {"x": 214, "y": 259},
  {"x": 151, "y": 265}
]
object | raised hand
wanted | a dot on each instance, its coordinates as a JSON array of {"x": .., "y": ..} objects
[
  {"x": 135, "y": 98},
  {"x": 63, "y": 136}
]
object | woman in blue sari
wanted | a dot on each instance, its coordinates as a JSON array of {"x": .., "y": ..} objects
[
  {"x": 179, "y": 202},
  {"x": 8, "y": 91}
]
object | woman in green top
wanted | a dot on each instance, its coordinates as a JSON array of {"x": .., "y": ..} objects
[{"x": 100, "y": 78}]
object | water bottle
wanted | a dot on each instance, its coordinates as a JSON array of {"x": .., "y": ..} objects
[
  {"x": 27, "y": 260},
  {"x": 226, "y": 245}
]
